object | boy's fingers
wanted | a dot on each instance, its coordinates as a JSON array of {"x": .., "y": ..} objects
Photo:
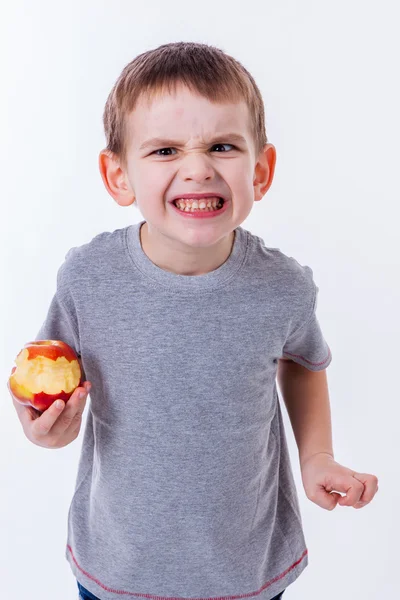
[
  {"x": 42, "y": 425},
  {"x": 53, "y": 418},
  {"x": 72, "y": 412}
]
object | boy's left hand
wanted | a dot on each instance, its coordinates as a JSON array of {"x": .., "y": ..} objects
[{"x": 321, "y": 474}]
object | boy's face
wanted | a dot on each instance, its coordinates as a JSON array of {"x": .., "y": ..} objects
[{"x": 197, "y": 155}]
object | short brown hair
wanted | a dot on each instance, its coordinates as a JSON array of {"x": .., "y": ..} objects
[{"x": 203, "y": 68}]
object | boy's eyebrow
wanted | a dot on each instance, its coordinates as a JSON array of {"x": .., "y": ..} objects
[{"x": 158, "y": 141}]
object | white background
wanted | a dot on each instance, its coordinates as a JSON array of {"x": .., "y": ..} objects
[{"x": 329, "y": 76}]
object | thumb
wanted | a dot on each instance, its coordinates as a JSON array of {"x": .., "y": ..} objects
[{"x": 327, "y": 500}]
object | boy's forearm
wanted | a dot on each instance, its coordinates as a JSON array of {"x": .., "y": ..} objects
[{"x": 306, "y": 397}]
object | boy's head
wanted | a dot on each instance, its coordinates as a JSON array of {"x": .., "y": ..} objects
[{"x": 191, "y": 97}]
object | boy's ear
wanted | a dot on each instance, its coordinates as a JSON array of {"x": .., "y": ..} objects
[
  {"x": 115, "y": 179},
  {"x": 264, "y": 171}
]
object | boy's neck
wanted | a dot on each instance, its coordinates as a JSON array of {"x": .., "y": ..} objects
[{"x": 172, "y": 259}]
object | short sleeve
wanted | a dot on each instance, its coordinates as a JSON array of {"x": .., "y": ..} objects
[
  {"x": 60, "y": 322},
  {"x": 307, "y": 345}
]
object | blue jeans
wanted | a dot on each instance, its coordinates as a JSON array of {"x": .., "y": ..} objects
[{"x": 85, "y": 595}]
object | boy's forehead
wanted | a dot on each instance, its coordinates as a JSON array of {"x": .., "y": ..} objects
[{"x": 188, "y": 114}]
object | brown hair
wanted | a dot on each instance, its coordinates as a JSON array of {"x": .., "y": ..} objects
[{"x": 203, "y": 68}]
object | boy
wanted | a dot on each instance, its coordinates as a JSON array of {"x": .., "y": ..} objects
[{"x": 183, "y": 324}]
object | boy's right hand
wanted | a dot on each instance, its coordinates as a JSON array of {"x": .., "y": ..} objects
[{"x": 55, "y": 427}]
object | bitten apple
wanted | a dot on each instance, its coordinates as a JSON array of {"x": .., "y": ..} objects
[{"x": 46, "y": 370}]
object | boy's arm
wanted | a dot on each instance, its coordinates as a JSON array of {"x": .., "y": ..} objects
[{"x": 306, "y": 397}]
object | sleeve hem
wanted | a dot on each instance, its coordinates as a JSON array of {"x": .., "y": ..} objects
[{"x": 311, "y": 366}]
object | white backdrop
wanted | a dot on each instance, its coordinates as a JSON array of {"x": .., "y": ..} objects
[{"x": 329, "y": 76}]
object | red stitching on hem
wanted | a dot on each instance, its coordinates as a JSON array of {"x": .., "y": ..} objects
[
  {"x": 277, "y": 578},
  {"x": 309, "y": 361}
]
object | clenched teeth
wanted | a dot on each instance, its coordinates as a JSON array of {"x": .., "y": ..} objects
[{"x": 203, "y": 204}]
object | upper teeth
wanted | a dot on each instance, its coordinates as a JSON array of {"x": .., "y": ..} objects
[{"x": 199, "y": 203}]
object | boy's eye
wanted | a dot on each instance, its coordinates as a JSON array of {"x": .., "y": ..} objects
[
  {"x": 223, "y": 145},
  {"x": 161, "y": 149}
]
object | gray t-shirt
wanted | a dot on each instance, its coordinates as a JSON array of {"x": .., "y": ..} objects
[{"x": 184, "y": 487}]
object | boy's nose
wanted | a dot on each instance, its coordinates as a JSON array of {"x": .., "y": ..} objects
[{"x": 197, "y": 167}]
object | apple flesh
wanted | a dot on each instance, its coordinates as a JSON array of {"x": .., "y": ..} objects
[{"x": 46, "y": 370}]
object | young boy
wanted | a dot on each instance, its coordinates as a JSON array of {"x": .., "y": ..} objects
[{"x": 183, "y": 324}]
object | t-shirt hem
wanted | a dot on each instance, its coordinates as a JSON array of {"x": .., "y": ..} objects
[{"x": 268, "y": 591}]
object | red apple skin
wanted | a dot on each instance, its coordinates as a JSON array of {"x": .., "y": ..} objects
[{"x": 51, "y": 349}]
